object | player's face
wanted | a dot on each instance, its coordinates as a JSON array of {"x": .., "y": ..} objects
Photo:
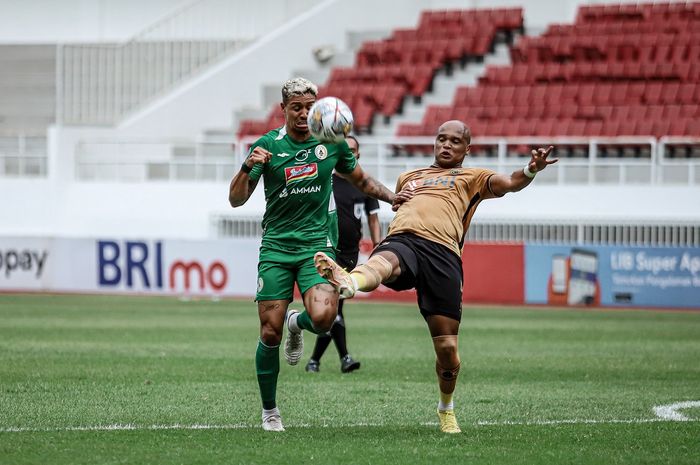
[
  {"x": 450, "y": 145},
  {"x": 295, "y": 112},
  {"x": 353, "y": 147}
]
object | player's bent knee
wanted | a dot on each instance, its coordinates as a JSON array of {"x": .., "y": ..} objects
[
  {"x": 323, "y": 322},
  {"x": 446, "y": 350},
  {"x": 270, "y": 335}
]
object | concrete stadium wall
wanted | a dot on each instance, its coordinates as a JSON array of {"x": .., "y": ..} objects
[{"x": 51, "y": 21}]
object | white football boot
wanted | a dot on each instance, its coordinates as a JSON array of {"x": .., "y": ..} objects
[
  {"x": 271, "y": 420},
  {"x": 294, "y": 344}
]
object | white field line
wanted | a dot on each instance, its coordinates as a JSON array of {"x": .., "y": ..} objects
[
  {"x": 177, "y": 426},
  {"x": 670, "y": 412},
  {"x": 664, "y": 413}
]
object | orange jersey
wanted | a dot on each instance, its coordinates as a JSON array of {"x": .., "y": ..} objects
[{"x": 443, "y": 205}]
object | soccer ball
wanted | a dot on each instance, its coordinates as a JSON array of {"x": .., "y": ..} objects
[{"x": 330, "y": 120}]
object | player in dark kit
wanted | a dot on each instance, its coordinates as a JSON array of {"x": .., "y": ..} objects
[
  {"x": 424, "y": 246},
  {"x": 349, "y": 204},
  {"x": 299, "y": 219}
]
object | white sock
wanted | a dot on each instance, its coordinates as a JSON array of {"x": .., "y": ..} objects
[
  {"x": 444, "y": 407},
  {"x": 354, "y": 283},
  {"x": 269, "y": 413}
]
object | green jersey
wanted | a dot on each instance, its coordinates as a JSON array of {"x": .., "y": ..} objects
[{"x": 300, "y": 210}]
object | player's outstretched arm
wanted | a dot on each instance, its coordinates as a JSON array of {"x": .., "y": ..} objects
[
  {"x": 367, "y": 184},
  {"x": 242, "y": 186},
  {"x": 502, "y": 184}
]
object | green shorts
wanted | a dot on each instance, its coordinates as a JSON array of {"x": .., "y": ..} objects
[{"x": 279, "y": 268}]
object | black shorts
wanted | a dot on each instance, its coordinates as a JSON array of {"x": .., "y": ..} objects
[{"x": 432, "y": 269}]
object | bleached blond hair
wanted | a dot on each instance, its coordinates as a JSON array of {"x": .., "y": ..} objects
[{"x": 298, "y": 86}]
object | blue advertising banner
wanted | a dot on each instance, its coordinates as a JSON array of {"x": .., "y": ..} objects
[{"x": 612, "y": 276}]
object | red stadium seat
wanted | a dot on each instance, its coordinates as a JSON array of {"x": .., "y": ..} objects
[{"x": 618, "y": 70}]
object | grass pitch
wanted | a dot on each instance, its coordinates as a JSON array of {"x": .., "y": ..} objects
[{"x": 106, "y": 380}]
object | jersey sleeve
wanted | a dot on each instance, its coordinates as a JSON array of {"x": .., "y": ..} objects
[
  {"x": 399, "y": 183},
  {"x": 258, "y": 168},
  {"x": 371, "y": 205},
  {"x": 483, "y": 179},
  {"x": 346, "y": 160}
]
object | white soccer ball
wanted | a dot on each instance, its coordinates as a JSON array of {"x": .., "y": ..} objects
[{"x": 330, "y": 120}]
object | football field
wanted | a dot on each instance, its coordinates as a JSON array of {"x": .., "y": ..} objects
[{"x": 140, "y": 380}]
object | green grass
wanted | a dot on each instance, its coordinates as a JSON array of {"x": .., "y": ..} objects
[{"x": 537, "y": 386}]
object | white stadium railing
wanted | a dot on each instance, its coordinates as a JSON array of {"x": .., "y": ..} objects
[
  {"x": 627, "y": 233},
  {"x": 622, "y": 160},
  {"x": 22, "y": 155},
  {"x": 611, "y": 161},
  {"x": 98, "y": 84}
]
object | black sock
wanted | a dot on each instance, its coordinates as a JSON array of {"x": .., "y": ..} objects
[
  {"x": 338, "y": 332},
  {"x": 322, "y": 343}
]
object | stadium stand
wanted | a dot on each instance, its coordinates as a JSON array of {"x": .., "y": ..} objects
[
  {"x": 619, "y": 70},
  {"x": 403, "y": 66},
  {"x": 27, "y": 107}
]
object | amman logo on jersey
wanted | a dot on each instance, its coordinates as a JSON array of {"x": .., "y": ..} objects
[
  {"x": 294, "y": 174},
  {"x": 299, "y": 190},
  {"x": 305, "y": 190}
]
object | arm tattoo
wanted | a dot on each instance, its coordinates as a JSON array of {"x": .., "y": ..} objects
[{"x": 376, "y": 189}]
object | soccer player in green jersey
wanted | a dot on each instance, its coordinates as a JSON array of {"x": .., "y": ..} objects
[{"x": 299, "y": 220}]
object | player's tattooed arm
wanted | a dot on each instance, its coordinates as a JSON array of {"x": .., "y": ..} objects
[
  {"x": 240, "y": 189},
  {"x": 370, "y": 186},
  {"x": 242, "y": 186}
]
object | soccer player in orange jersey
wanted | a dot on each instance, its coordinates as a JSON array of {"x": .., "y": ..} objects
[{"x": 424, "y": 245}]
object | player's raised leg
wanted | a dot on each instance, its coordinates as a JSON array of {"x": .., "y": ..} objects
[
  {"x": 366, "y": 277},
  {"x": 335, "y": 274}
]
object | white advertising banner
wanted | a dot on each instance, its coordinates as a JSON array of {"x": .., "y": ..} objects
[
  {"x": 225, "y": 268},
  {"x": 24, "y": 263}
]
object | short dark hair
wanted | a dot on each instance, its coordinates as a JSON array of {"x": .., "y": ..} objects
[{"x": 355, "y": 139}]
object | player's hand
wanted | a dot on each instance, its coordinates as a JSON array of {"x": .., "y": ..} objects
[
  {"x": 539, "y": 160},
  {"x": 403, "y": 196},
  {"x": 258, "y": 155}
]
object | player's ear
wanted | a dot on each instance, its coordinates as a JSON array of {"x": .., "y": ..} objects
[
  {"x": 469, "y": 147},
  {"x": 282, "y": 105}
]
